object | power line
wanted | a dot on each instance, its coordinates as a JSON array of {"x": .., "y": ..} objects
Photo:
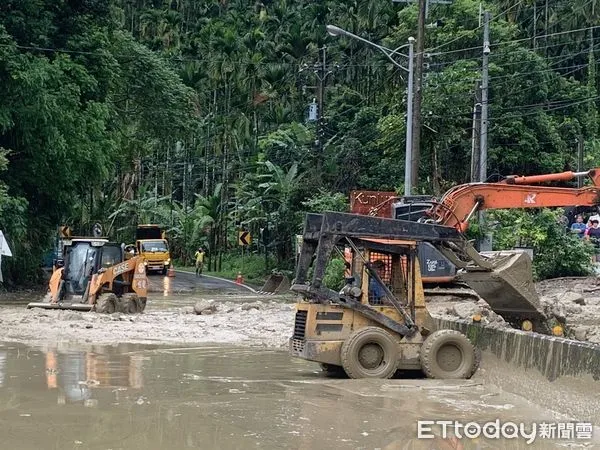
[{"x": 474, "y": 29}]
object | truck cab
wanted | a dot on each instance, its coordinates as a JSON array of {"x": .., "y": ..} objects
[{"x": 152, "y": 245}]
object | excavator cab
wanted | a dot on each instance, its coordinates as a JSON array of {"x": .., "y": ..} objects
[
  {"x": 378, "y": 322},
  {"x": 96, "y": 275}
]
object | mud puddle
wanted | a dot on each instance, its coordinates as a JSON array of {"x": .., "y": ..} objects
[{"x": 221, "y": 397}]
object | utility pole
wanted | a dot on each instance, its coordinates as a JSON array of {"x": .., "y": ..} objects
[
  {"x": 484, "y": 98},
  {"x": 321, "y": 72},
  {"x": 475, "y": 137},
  {"x": 416, "y": 122},
  {"x": 409, "y": 120},
  {"x": 485, "y": 243},
  {"x": 580, "y": 152}
]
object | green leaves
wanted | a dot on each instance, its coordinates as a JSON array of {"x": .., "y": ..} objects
[{"x": 557, "y": 253}]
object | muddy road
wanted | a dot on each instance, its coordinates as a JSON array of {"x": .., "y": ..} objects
[
  {"x": 237, "y": 316},
  {"x": 223, "y": 397},
  {"x": 170, "y": 378}
]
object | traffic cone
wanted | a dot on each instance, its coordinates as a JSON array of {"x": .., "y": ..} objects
[
  {"x": 171, "y": 272},
  {"x": 239, "y": 279}
]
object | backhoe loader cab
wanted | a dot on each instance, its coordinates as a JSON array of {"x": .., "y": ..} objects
[
  {"x": 96, "y": 276},
  {"x": 378, "y": 323}
]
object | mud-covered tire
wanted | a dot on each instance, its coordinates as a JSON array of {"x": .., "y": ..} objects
[
  {"x": 106, "y": 303},
  {"x": 130, "y": 303},
  {"x": 165, "y": 270},
  {"x": 448, "y": 354},
  {"x": 370, "y": 352},
  {"x": 141, "y": 304},
  {"x": 332, "y": 370}
]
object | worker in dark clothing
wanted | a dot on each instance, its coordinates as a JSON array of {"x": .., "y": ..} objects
[{"x": 376, "y": 290}]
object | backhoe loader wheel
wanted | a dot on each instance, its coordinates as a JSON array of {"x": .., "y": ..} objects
[
  {"x": 130, "y": 303},
  {"x": 370, "y": 352},
  {"x": 106, "y": 303},
  {"x": 448, "y": 354}
]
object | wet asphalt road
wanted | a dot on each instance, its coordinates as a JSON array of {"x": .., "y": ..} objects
[{"x": 186, "y": 282}]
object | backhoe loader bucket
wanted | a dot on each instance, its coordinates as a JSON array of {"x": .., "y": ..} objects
[
  {"x": 276, "y": 284},
  {"x": 508, "y": 288}
]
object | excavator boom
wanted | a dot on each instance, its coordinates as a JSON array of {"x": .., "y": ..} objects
[{"x": 460, "y": 203}]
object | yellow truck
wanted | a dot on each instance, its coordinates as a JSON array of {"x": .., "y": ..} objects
[{"x": 152, "y": 245}]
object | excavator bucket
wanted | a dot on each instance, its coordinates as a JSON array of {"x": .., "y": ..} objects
[
  {"x": 276, "y": 284},
  {"x": 508, "y": 288}
]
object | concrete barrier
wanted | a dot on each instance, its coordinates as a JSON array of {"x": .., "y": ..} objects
[{"x": 560, "y": 374}]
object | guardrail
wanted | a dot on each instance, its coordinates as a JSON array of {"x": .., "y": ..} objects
[{"x": 557, "y": 373}]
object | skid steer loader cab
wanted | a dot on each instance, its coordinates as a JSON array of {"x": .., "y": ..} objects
[
  {"x": 96, "y": 276},
  {"x": 378, "y": 322}
]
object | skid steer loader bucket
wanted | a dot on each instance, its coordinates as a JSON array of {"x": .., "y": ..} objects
[
  {"x": 63, "y": 306},
  {"x": 276, "y": 284},
  {"x": 508, "y": 288}
]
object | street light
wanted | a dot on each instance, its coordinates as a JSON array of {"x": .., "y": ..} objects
[{"x": 337, "y": 31}]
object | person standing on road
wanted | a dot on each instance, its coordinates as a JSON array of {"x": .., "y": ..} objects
[{"x": 199, "y": 255}]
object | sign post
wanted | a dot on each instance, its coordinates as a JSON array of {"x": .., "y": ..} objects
[{"x": 244, "y": 240}]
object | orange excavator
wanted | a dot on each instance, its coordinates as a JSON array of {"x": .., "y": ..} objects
[
  {"x": 503, "y": 279},
  {"x": 460, "y": 204}
]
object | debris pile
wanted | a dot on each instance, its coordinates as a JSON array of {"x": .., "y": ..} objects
[{"x": 573, "y": 301}]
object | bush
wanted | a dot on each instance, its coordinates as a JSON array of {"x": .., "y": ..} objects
[
  {"x": 252, "y": 267},
  {"x": 557, "y": 253}
]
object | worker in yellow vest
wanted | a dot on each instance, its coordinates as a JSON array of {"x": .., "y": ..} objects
[{"x": 199, "y": 255}]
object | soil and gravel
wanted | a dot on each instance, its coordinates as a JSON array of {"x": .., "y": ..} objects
[
  {"x": 576, "y": 301},
  {"x": 259, "y": 323},
  {"x": 255, "y": 320}
]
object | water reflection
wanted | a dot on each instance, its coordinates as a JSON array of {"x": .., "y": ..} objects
[
  {"x": 3, "y": 355},
  {"x": 166, "y": 286},
  {"x": 76, "y": 373},
  {"x": 151, "y": 397}
]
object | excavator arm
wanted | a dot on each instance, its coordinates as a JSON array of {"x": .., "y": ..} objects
[{"x": 459, "y": 204}]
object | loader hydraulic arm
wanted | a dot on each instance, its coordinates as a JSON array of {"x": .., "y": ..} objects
[{"x": 459, "y": 204}]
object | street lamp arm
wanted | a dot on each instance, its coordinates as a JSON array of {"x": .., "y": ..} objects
[{"x": 337, "y": 31}]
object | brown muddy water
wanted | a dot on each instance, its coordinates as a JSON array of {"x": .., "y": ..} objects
[{"x": 220, "y": 397}]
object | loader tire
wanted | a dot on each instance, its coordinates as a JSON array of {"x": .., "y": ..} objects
[
  {"x": 130, "y": 303},
  {"x": 370, "y": 352},
  {"x": 448, "y": 354},
  {"x": 106, "y": 303},
  {"x": 141, "y": 304}
]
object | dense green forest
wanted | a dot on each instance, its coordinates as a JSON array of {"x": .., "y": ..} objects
[{"x": 193, "y": 113}]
